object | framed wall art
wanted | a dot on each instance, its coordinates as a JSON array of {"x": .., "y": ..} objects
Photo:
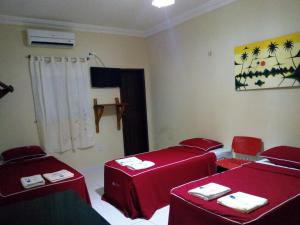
[{"x": 272, "y": 63}]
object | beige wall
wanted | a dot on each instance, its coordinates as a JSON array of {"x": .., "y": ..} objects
[
  {"x": 194, "y": 93},
  {"x": 17, "y": 116}
]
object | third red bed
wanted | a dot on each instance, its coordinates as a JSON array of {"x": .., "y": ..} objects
[{"x": 281, "y": 186}]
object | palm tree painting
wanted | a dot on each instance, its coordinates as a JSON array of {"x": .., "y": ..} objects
[{"x": 272, "y": 63}]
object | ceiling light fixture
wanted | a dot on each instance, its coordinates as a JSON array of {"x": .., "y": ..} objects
[{"x": 162, "y": 3}]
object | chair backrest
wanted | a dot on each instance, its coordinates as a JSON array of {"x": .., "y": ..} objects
[{"x": 246, "y": 145}]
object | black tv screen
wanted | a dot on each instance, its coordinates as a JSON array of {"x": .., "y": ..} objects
[{"x": 105, "y": 77}]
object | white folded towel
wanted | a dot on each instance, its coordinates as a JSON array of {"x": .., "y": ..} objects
[
  {"x": 58, "y": 175},
  {"x": 32, "y": 181},
  {"x": 141, "y": 165},
  {"x": 128, "y": 161},
  {"x": 209, "y": 191},
  {"x": 242, "y": 202}
]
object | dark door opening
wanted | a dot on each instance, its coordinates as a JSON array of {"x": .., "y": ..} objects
[{"x": 135, "y": 128}]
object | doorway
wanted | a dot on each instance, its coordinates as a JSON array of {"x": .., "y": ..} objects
[
  {"x": 132, "y": 90},
  {"x": 135, "y": 127}
]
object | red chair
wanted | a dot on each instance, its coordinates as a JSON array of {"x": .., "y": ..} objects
[{"x": 247, "y": 146}]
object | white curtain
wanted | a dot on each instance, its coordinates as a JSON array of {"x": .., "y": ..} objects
[{"x": 62, "y": 104}]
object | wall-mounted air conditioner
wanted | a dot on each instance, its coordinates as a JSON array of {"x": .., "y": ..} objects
[{"x": 50, "y": 38}]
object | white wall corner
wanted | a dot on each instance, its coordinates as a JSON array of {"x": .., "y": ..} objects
[{"x": 202, "y": 9}]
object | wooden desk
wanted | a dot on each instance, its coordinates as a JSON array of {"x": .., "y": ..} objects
[{"x": 62, "y": 208}]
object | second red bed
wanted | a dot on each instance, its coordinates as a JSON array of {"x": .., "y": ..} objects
[{"x": 139, "y": 193}]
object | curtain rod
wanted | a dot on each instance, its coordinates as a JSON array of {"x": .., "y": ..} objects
[{"x": 87, "y": 58}]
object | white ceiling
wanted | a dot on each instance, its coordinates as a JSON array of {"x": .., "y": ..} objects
[{"x": 138, "y": 17}]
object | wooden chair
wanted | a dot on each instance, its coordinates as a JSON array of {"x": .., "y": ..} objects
[{"x": 247, "y": 146}]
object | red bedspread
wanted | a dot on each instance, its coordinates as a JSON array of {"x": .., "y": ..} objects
[
  {"x": 11, "y": 189},
  {"x": 280, "y": 186},
  {"x": 139, "y": 193}
]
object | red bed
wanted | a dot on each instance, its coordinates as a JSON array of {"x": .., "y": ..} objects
[
  {"x": 281, "y": 186},
  {"x": 11, "y": 189},
  {"x": 139, "y": 193}
]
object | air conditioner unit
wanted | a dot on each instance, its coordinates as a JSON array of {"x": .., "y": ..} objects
[{"x": 50, "y": 38}]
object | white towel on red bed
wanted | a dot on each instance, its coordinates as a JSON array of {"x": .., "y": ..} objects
[
  {"x": 32, "y": 181},
  {"x": 58, "y": 175},
  {"x": 141, "y": 165},
  {"x": 242, "y": 202},
  {"x": 128, "y": 161},
  {"x": 209, "y": 191}
]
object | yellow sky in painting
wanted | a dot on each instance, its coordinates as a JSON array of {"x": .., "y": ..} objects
[{"x": 295, "y": 37}]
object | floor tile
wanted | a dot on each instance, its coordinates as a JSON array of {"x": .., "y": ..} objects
[
  {"x": 145, "y": 222},
  {"x": 161, "y": 216}
]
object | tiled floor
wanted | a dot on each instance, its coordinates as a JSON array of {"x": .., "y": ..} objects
[{"x": 94, "y": 179}]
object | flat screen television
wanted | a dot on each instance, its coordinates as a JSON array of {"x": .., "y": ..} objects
[{"x": 102, "y": 77}]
